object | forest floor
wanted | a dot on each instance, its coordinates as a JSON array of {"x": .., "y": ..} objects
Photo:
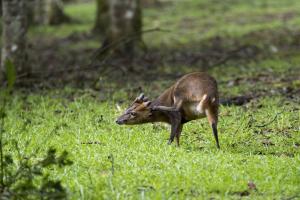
[{"x": 252, "y": 48}]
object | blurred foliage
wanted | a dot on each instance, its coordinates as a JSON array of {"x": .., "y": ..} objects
[
  {"x": 25, "y": 176},
  {"x": 22, "y": 176}
]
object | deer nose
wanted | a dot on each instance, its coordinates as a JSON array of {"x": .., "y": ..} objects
[{"x": 118, "y": 121}]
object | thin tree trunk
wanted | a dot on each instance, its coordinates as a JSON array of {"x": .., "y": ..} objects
[
  {"x": 0, "y": 7},
  {"x": 14, "y": 25},
  {"x": 123, "y": 33},
  {"x": 56, "y": 13},
  {"x": 46, "y": 12},
  {"x": 102, "y": 17}
]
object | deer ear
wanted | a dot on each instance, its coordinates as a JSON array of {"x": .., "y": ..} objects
[
  {"x": 145, "y": 99},
  {"x": 147, "y": 104}
]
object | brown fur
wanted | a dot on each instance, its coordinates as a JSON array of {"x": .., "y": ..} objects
[{"x": 193, "y": 96}]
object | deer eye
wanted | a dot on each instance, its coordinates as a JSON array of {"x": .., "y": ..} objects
[{"x": 133, "y": 114}]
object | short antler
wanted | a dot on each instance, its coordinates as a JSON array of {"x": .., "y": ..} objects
[{"x": 141, "y": 97}]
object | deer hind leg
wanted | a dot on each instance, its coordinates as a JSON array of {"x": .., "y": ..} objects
[
  {"x": 176, "y": 107},
  {"x": 202, "y": 104},
  {"x": 212, "y": 117}
]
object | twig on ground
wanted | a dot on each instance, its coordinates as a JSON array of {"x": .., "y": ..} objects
[
  {"x": 91, "y": 142},
  {"x": 237, "y": 100},
  {"x": 122, "y": 40},
  {"x": 270, "y": 122},
  {"x": 230, "y": 55}
]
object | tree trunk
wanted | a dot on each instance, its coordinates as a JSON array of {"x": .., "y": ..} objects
[
  {"x": 0, "y": 8},
  {"x": 123, "y": 31},
  {"x": 46, "y": 12},
  {"x": 31, "y": 5},
  {"x": 14, "y": 25},
  {"x": 39, "y": 12},
  {"x": 102, "y": 17},
  {"x": 56, "y": 13}
]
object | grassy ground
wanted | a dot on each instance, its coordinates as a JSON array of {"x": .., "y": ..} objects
[
  {"x": 145, "y": 166},
  {"x": 260, "y": 141}
]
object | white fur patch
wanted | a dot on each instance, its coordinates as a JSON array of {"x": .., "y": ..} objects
[{"x": 200, "y": 105}]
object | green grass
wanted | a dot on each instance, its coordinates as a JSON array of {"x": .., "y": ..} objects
[
  {"x": 83, "y": 15},
  {"x": 144, "y": 166},
  {"x": 135, "y": 162},
  {"x": 190, "y": 21},
  {"x": 143, "y": 162}
]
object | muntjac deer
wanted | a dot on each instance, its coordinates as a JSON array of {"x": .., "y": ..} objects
[{"x": 193, "y": 96}]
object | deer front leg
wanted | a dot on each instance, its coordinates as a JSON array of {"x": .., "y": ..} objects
[
  {"x": 178, "y": 134},
  {"x": 175, "y": 118},
  {"x": 176, "y": 126}
]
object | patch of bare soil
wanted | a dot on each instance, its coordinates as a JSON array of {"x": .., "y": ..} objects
[{"x": 55, "y": 65}]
